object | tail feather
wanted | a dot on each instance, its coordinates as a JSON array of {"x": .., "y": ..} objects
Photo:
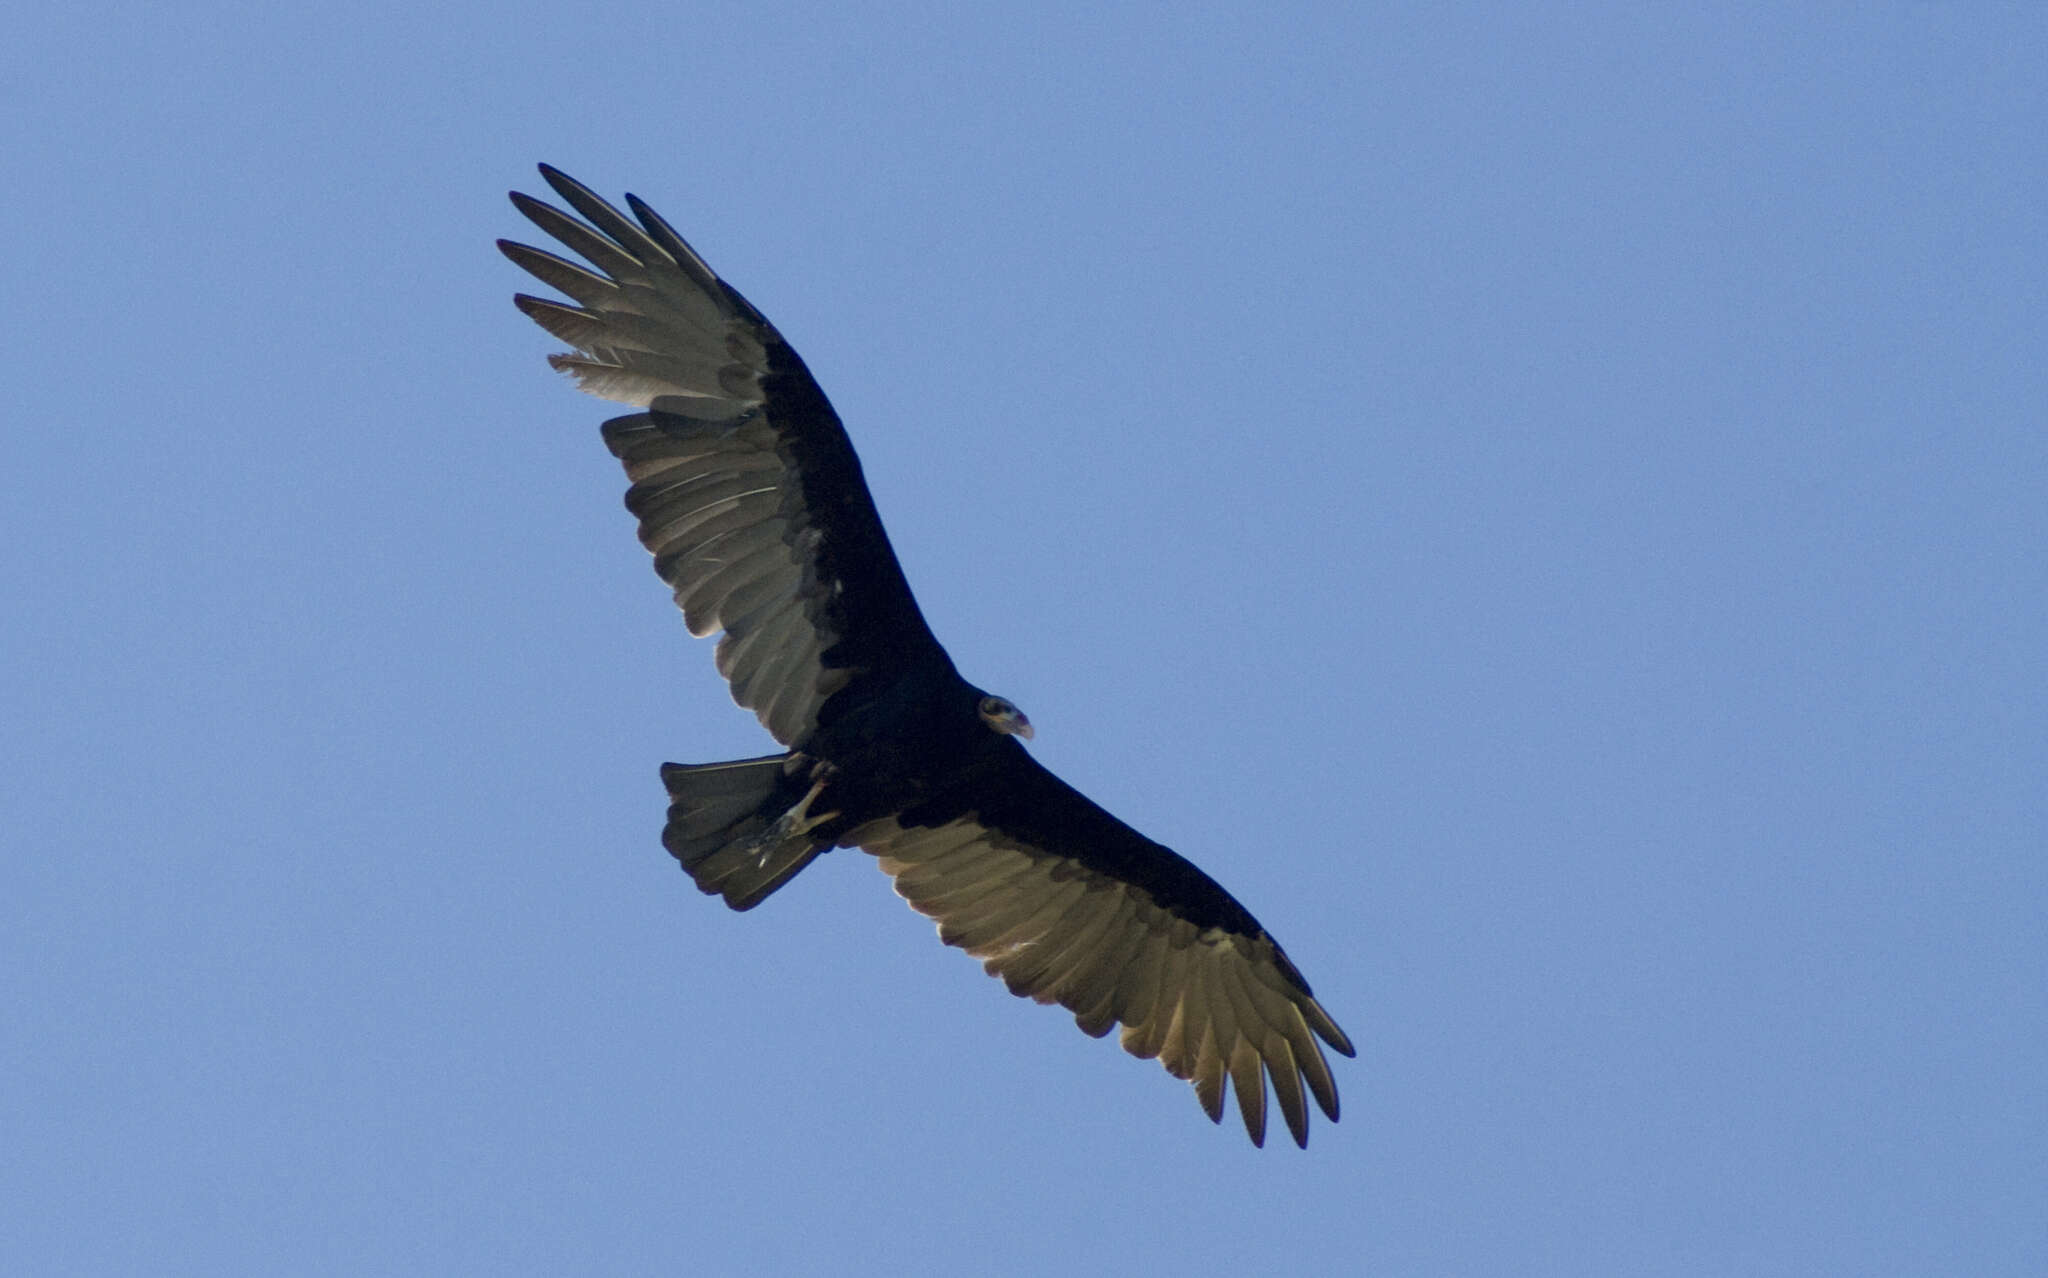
[{"x": 718, "y": 816}]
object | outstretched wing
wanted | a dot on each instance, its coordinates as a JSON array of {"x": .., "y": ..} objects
[
  {"x": 1069, "y": 905},
  {"x": 746, "y": 487}
]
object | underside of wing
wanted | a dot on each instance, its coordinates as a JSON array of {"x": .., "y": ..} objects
[
  {"x": 746, "y": 488},
  {"x": 1074, "y": 914}
]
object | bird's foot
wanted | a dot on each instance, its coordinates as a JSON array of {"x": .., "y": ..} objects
[{"x": 792, "y": 824}]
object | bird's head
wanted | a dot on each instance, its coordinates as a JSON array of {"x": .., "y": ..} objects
[{"x": 1004, "y": 718}]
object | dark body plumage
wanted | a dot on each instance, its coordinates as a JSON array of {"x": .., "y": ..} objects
[{"x": 750, "y": 497}]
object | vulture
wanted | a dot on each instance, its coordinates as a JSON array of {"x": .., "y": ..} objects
[{"x": 749, "y": 496}]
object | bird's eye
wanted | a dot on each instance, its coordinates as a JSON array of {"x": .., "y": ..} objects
[{"x": 993, "y": 706}]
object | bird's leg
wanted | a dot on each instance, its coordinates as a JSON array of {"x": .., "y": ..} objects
[
  {"x": 799, "y": 819},
  {"x": 793, "y": 823}
]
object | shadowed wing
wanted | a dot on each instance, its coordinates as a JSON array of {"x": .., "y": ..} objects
[
  {"x": 1069, "y": 905},
  {"x": 747, "y": 490}
]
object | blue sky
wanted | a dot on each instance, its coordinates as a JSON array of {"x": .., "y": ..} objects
[{"x": 1551, "y": 511}]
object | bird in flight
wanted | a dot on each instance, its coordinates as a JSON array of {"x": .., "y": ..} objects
[{"x": 751, "y": 500}]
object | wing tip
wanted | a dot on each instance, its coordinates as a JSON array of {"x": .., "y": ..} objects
[
  {"x": 564, "y": 185},
  {"x": 526, "y": 204}
]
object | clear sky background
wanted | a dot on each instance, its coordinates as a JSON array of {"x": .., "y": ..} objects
[{"x": 1551, "y": 511}]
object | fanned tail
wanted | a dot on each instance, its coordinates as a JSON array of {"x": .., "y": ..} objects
[{"x": 721, "y": 820}]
